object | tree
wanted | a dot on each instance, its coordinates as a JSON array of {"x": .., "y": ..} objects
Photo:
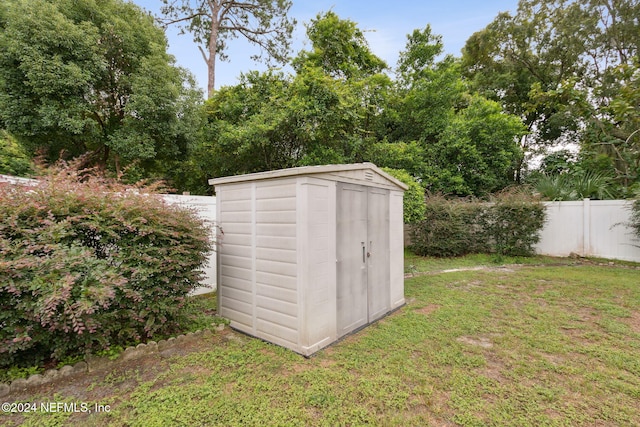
[
  {"x": 94, "y": 78},
  {"x": 250, "y": 126},
  {"x": 325, "y": 113},
  {"x": 339, "y": 48},
  {"x": 212, "y": 22},
  {"x": 477, "y": 152},
  {"x": 466, "y": 143},
  {"x": 340, "y": 107},
  {"x": 560, "y": 65},
  {"x": 523, "y": 61},
  {"x": 430, "y": 91}
]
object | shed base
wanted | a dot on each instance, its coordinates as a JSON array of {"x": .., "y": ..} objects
[{"x": 329, "y": 344}]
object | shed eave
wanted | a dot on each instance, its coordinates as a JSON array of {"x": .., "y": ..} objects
[{"x": 307, "y": 170}]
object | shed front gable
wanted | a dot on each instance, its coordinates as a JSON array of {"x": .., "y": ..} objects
[{"x": 356, "y": 173}]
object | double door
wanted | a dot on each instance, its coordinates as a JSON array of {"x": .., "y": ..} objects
[{"x": 363, "y": 288}]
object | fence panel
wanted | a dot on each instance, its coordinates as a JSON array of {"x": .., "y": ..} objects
[
  {"x": 593, "y": 228},
  {"x": 205, "y": 206}
]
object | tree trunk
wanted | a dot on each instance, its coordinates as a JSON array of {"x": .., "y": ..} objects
[
  {"x": 211, "y": 69},
  {"x": 213, "y": 47}
]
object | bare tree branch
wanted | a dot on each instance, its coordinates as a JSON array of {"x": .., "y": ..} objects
[
  {"x": 204, "y": 54},
  {"x": 167, "y": 22},
  {"x": 227, "y": 19}
]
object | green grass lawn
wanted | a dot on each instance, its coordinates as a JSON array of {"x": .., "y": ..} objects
[{"x": 520, "y": 346}]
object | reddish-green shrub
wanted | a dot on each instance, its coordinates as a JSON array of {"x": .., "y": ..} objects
[{"x": 86, "y": 264}]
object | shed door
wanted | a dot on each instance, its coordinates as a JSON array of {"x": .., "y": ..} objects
[
  {"x": 378, "y": 284},
  {"x": 362, "y": 255}
]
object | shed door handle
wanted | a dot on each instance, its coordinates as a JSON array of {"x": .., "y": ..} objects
[{"x": 363, "y": 252}]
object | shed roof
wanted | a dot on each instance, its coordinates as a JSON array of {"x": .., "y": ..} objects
[{"x": 366, "y": 173}]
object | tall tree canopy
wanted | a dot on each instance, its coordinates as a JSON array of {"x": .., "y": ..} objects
[
  {"x": 465, "y": 144},
  {"x": 319, "y": 115},
  {"x": 340, "y": 107},
  {"x": 213, "y": 22},
  {"x": 339, "y": 48},
  {"x": 566, "y": 67},
  {"x": 80, "y": 76}
]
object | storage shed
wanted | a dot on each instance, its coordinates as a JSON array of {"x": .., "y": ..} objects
[{"x": 309, "y": 254}]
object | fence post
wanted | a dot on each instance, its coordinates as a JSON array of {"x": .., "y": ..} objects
[{"x": 586, "y": 227}]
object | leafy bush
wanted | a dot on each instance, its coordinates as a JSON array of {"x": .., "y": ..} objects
[
  {"x": 87, "y": 264},
  {"x": 514, "y": 223},
  {"x": 13, "y": 158},
  {"x": 509, "y": 225},
  {"x": 413, "y": 202},
  {"x": 576, "y": 186},
  {"x": 635, "y": 217},
  {"x": 450, "y": 228}
]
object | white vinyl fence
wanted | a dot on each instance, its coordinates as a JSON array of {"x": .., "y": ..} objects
[
  {"x": 205, "y": 206},
  {"x": 594, "y": 228}
]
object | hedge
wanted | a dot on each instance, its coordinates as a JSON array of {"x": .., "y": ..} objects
[
  {"x": 87, "y": 265},
  {"x": 508, "y": 225}
]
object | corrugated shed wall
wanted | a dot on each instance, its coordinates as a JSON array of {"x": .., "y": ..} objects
[
  {"x": 236, "y": 253},
  {"x": 318, "y": 229},
  {"x": 276, "y": 261}
]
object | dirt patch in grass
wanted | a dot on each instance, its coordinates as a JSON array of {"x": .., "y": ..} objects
[
  {"x": 634, "y": 321},
  {"x": 428, "y": 309},
  {"x": 494, "y": 368},
  {"x": 295, "y": 369},
  {"x": 479, "y": 341}
]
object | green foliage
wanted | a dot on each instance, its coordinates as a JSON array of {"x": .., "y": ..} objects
[
  {"x": 84, "y": 76},
  {"x": 428, "y": 99},
  {"x": 339, "y": 108},
  {"x": 413, "y": 202},
  {"x": 339, "y": 49},
  {"x": 15, "y": 372},
  {"x": 450, "y": 228},
  {"x": 418, "y": 60},
  {"x": 634, "y": 222},
  {"x": 398, "y": 155},
  {"x": 321, "y": 115},
  {"x": 467, "y": 145},
  {"x": 569, "y": 70},
  {"x": 576, "y": 185},
  {"x": 13, "y": 158},
  {"x": 477, "y": 152},
  {"x": 89, "y": 264},
  {"x": 514, "y": 222},
  {"x": 510, "y": 225}
]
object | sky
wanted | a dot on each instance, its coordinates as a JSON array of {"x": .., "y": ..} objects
[{"x": 386, "y": 25}]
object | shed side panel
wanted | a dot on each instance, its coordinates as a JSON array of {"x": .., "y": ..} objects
[
  {"x": 276, "y": 262},
  {"x": 396, "y": 248},
  {"x": 235, "y": 254},
  {"x": 317, "y": 201}
]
